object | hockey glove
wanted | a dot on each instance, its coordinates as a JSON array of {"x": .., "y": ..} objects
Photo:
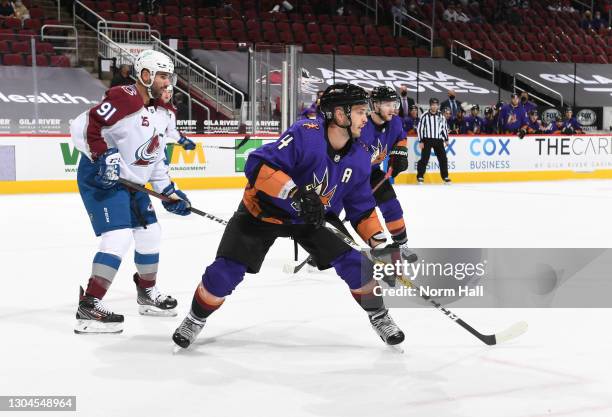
[
  {"x": 181, "y": 206},
  {"x": 187, "y": 144},
  {"x": 521, "y": 133},
  {"x": 568, "y": 131},
  {"x": 398, "y": 159},
  {"x": 108, "y": 169},
  {"x": 309, "y": 206}
]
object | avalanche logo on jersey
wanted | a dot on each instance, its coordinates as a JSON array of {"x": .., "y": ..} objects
[
  {"x": 320, "y": 187},
  {"x": 147, "y": 153},
  {"x": 379, "y": 153}
]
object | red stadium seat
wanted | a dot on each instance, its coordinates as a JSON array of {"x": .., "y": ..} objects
[
  {"x": 189, "y": 22},
  {"x": 375, "y": 51},
  {"x": 327, "y": 48},
  {"x": 345, "y": 50},
  {"x": 222, "y": 33},
  {"x": 13, "y": 59},
  {"x": 21, "y": 47},
  {"x": 228, "y": 45},
  {"x": 194, "y": 44},
  {"x": 4, "y": 47},
  {"x": 45, "y": 48},
  {"x": 33, "y": 24},
  {"x": 360, "y": 50},
  {"x": 210, "y": 45},
  {"x": 283, "y": 26},
  {"x": 12, "y": 23},
  {"x": 41, "y": 60},
  {"x": 406, "y": 51},
  {"x": 37, "y": 13},
  {"x": 390, "y": 51},
  {"x": 421, "y": 52},
  {"x": 60, "y": 61},
  {"x": 526, "y": 56},
  {"x": 301, "y": 38},
  {"x": 312, "y": 48}
]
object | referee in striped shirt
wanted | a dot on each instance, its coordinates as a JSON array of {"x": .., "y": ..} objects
[{"x": 432, "y": 132}]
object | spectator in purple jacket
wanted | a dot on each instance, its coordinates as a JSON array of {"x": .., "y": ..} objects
[{"x": 512, "y": 116}]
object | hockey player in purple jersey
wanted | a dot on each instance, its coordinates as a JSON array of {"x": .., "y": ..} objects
[
  {"x": 534, "y": 125},
  {"x": 458, "y": 124},
  {"x": 474, "y": 123},
  {"x": 512, "y": 116},
  {"x": 316, "y": 168},
  {"x": 411, "y": 122},
  {"x": 385, "y": 136},
  {"x": 489, "y": 123},
  {"x": 570, "y": 124}
]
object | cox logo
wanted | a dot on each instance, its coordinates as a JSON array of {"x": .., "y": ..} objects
[
  {"x": 450, "y": 150},
  {"x": 489, "y": 147}
]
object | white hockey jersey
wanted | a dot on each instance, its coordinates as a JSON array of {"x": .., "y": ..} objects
[{"x": 139, "y": 133}]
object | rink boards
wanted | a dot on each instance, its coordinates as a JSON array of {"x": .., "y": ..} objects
[{"x": 48, "y": 163}]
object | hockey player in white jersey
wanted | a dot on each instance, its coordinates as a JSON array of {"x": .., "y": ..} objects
[
  {"x": 124, "y": 137},
  {"x": 173, "y": 132}
]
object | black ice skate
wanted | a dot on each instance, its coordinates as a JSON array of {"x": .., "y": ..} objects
[
  {"x": 385, "y": 327},
  {"x": 153, "y": 303},
  {"x": 188, "y": 331},
  {"x": 93, "y": 316}
]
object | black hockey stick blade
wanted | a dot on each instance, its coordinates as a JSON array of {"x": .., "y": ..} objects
[
  {"x": 506, "y": 335},
  {"x": 240, "y": 145}
]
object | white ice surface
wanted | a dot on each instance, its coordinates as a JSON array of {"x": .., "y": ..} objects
[{"x": 299, "y": 345}]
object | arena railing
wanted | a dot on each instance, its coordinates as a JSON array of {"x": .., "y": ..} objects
[
  {"x": 370, "y": 6},
  {"x": 454, "y": 54},
  {"x": 51, "y": 37},
  {"x": 228, "y": 99},
  {"x": 528, "y": 80},
  {"x": 109, "y": 48},
  {"x": 398, "y": 27}
]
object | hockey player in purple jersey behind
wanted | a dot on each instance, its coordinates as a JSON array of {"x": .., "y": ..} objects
[
  {"x": 385, "y": 136},
  {"x": 570, "y": 124},
  {"x": 474, "y": 123},
  {"x": 315, "y": 168},
  {"x": 512, "y": 116}
]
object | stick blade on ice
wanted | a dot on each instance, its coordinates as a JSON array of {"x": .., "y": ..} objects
[{"x": 511, "y": 332}]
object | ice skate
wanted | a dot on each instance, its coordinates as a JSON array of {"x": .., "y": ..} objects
[
  {"x": 93, "y": 316},
  {"x": 153, "y": 303},
  {"x": 188, "y": 331},
  {"x": 385, "y": 327}
]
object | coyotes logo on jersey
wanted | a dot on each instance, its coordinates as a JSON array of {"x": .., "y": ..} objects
[
  {"x": 311, "y": 126},
  {"x": 147, "y": 153},
  {"x": 379, "y": 153},
  {"x": 320, "y": 186}
]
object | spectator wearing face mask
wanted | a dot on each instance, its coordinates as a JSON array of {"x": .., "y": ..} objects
[
  {"x": 452, "y": 103},
  {"x": 529, "y": 106},
  {"x": 405, "y": 102},
  {"x": 21, "y": 12}
]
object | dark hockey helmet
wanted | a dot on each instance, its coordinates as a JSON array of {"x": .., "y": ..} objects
[
  {"x": 341, "y": 95},
  {"x": 383, "y": 93},
  {"x": 488, "y": 110},
  {"x": 413, "y": 107},
  {"x": 475, "y": 107},
  {"x": 568, "y": 108}
]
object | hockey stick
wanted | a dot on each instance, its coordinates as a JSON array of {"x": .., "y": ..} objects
[
  {"x": 167, "y": 199},
  {"x": 295, "y": 266},
  {"x": 510, "y": 333},
  {"x": 241, "y": 144}
]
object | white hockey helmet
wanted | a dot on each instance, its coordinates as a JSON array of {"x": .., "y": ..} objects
[{"x": 154, "y": 62}]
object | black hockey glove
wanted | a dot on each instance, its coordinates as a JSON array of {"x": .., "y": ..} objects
[
  {"x": 568, "y": 131},
  {"x": 521, "y": 133},
  {"x": 309, "y": 206},
  {"x": 398, "y": 159}
]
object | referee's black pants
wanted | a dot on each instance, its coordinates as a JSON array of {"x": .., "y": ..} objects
[{"x": 438, "y": 147}]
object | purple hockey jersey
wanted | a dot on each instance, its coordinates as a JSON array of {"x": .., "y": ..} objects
[
  {"x": 303, "y": 157},
  {"x": 381, "y": 139}
]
